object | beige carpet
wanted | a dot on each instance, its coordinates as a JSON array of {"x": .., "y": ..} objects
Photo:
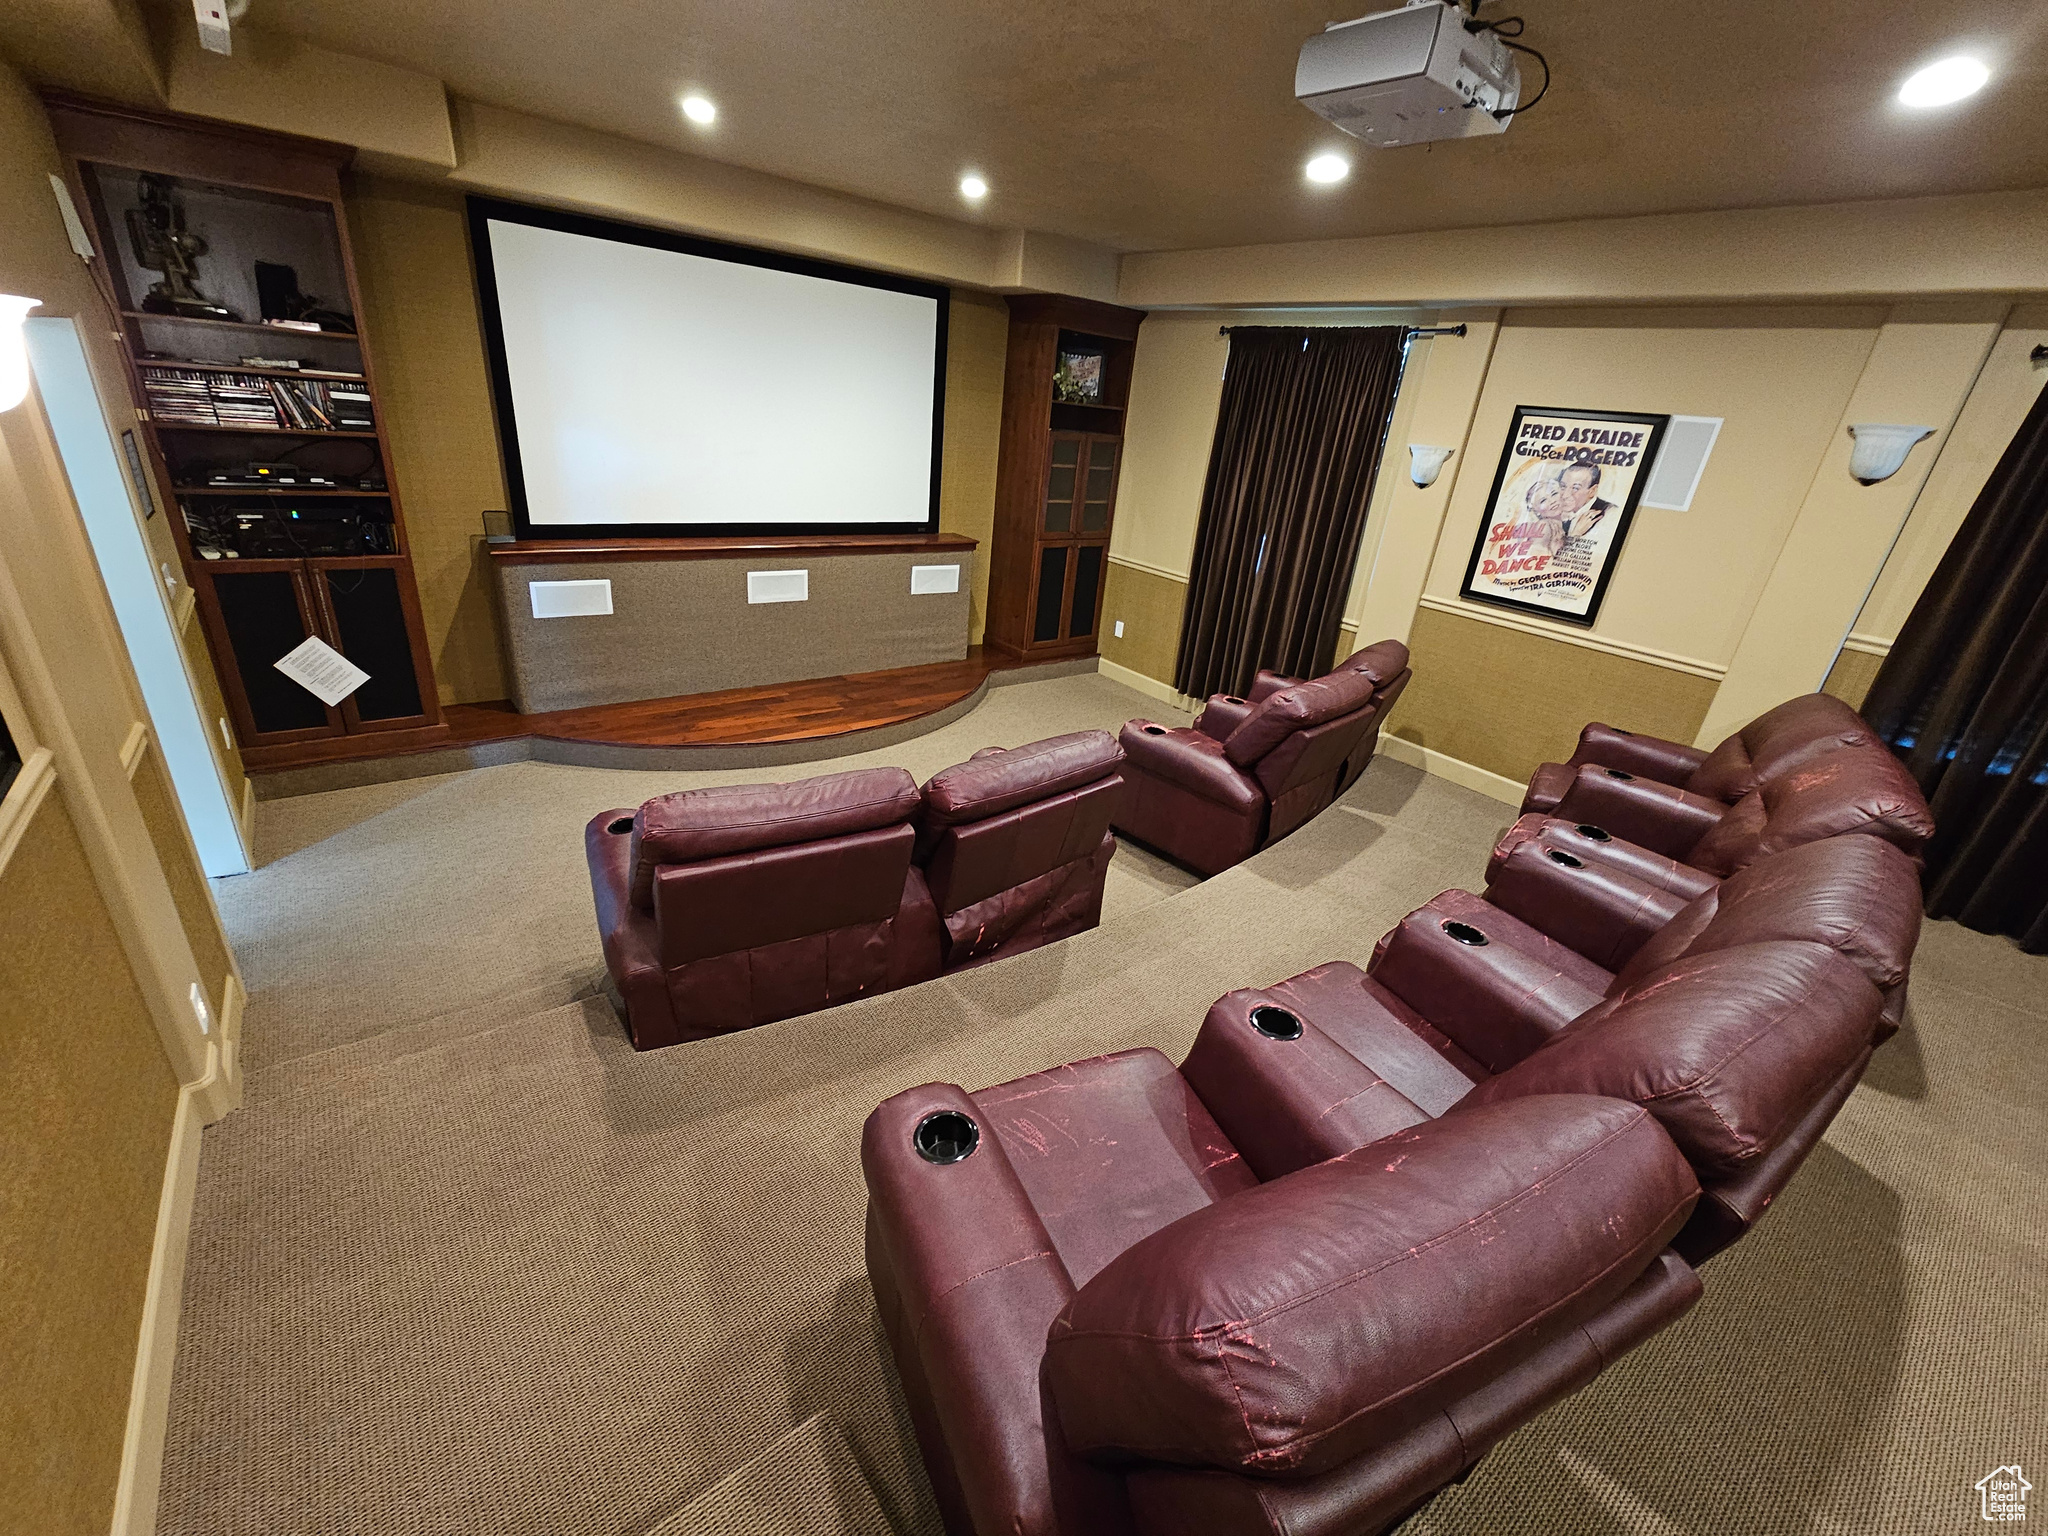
[{"x": 466, "y": 1263}]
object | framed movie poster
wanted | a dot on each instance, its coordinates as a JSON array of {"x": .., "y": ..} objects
[{"x": 1561, "y": 504}]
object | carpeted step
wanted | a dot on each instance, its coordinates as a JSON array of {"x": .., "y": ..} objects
[
  {"x": 804, "y": 1484},
  {"x": 319, "y": 1071}
]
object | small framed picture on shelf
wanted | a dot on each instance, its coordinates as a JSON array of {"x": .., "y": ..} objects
[{"x": 1078, "y": 378}]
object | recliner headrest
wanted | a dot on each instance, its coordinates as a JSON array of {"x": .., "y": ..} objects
[
  {"x": 1290, "y": 1327},
  {"x": 1850, "y": 789},
  {"x": 1728, "y": 1050},
  {"x": 1382, "y": 661},
  {"x": 1777, "y": 740},
  {"x": 698, "y": 824},
  {"x": 994, "y": 781},
  {"x": 1859, "y": 896},
  {"x": 1294, "y": 708}
]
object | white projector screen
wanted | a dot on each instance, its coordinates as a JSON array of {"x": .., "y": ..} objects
[{"x": 652, "y": 384}]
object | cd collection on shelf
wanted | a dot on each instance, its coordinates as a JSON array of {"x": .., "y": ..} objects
[{"x": 250, "y": 400}]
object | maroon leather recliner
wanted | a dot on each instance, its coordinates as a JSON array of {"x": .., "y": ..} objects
[
  {"x": 725, "y": 908},
  {"x": 1384, "y": 661},
  {"x": 1641, "y": 782},
  {"x": 1016, "y": 842},
  {"x": 1210, "y": 801},
  {"x": 1110, "y": 1317}
]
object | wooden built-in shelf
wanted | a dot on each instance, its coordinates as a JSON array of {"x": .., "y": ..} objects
[
  {"x": 193, "y": 366},
  {"x": 244, "y": 430},
  {"x": 243, "y": 325},
  {"x": 278, "y": 490}
]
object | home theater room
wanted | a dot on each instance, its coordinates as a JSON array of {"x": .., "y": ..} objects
[{"x": 974, "y": 770}]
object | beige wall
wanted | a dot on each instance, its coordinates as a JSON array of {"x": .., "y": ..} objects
[
  {"x": 1748, "y": 593},
  {"x": 106, "y": 926},
  {"x": 82, "y": 1149},
  {"x": 420, "y": 312}
]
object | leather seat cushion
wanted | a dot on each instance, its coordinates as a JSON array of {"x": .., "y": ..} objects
[
  {"x": 1294, "y": 708},
  {"x": 988, "y": 785},
  {"x": 740, "y": 818},
  {"x": 1729, "y": 1050},
  {"x": 1306, "y": 1321},
  {"x": 1110, "y": 1150},
  {"x": 1857, "y": 895}
]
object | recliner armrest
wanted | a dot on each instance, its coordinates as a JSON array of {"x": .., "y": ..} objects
[
  {"x": 1191, "y": 760},
  {"x": 1659, "y": 817},
  {"x": 1596, "y": 845},
  {"x": 1649, "y": 757},
  {"x": 979, "y": 1281},
  {"x": 1268, "y": 683},
  {"x": 1596, "y": 910},
  {"x": 1223, "y": 714},
  {"x": 1498, "y": 1001},
  {"x": 1286, "y": 1094}
]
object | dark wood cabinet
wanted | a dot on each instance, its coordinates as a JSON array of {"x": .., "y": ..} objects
[
  {"x": 268, "y": 440},
  {"x": 1057, "y": 472}
]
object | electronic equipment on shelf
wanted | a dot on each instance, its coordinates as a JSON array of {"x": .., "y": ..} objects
[
  {"x": 266, "y": 475},
  {"x": 319, "y": 529}
]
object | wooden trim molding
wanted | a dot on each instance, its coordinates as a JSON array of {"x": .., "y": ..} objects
[
  {"x": 133, "y": 748},
  {"x": 1867, "y": 645},
  {"x": 1456, "y": 770},
  {"x": 25, "y": 797},
  {"x": 1688, "y": 664},
  {"x": 1149, "y": 570},
  {"x": 149, "y": 1392},
  {"x": 1151, "y": 687},
  {"x": 557, "y": 551}
]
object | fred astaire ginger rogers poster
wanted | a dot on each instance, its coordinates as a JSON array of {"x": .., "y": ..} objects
[{"x": 1561, "y": 503}]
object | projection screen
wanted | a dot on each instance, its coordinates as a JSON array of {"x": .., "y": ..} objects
[{"x": 651, "y": 384}]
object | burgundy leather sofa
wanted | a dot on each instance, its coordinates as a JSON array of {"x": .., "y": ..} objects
[
  {"x": 1384, "y": 661},
  {"x": 1111, "y": 1315},
  {"x": 721, "y": 909},
  {"x": 1212, "y": 795},
  {"x": 1015, "y": 844}
]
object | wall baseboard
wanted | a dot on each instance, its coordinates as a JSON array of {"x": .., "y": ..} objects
[
  {"x": 1151, "y": 687},
  {"x": 1493, "y": 785},
  {"x": 149, "y": 1397}
]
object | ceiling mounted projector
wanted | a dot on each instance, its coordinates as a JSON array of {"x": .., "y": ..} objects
[{"x": 1410, "y": 76}]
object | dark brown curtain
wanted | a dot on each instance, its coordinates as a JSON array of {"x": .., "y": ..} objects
[
  {"x": 1298, "y": 440},
  {"x": 1963, "y": 699}
]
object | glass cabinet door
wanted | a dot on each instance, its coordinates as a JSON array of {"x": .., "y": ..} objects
[
  {"x": 1098, "y": 485},
  {"x": 1073, "y": 536},
  {"x": 1061, "y": 481}
]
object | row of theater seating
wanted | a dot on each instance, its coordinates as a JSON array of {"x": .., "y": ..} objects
[
  {"x": 1252, "y": 769},
  {"x": 725, "y": 908},
  {"x": 1376, "y": 1220},
  {"x": 720, "y": 909}
]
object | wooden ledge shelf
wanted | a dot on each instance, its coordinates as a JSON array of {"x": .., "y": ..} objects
[{"x": 557, "y": 551}]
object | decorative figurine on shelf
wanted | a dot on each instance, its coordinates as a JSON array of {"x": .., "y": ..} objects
[
  {"x": 156, "y": 229},
  {"x": 1078, "y": 379}
]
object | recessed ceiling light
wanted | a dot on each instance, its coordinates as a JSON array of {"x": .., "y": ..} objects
[
  {"x": 1944, "y": 82},
  {"x": 699, "y": 109},
  {"x": 1327, "y": 168},
  {"x": 973, "y": 188}
]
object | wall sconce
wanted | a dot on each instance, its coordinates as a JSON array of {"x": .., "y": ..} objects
[
  {"x": 1424, "y": 464},
  {"x": 1880, "y": 449},
  {"x": 13, "y": 350}
]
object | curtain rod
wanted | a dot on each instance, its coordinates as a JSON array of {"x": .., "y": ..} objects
[{"x": 1413, "y": 330}]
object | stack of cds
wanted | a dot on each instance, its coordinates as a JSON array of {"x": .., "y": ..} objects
[
  {"x": 178, "y": 394},
  {"x": 352, "y": 407},
  {"x": 243, "y": 400}
]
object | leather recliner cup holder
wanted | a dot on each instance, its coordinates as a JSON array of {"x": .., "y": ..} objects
[
  {"x": 1155, "y": 730},
  {"x": 619, "y": 826},
  {"x": 1465, "y": 933},
  {"x": 1616, "y": 773},
  {"x": 1275, "y": 1023},
  {"x": 1231, "y": 698},
  {"x": 1593, "y": 834},
  {"x": 1568, "y": 860},
  {"x": 946, "y": 1136}
]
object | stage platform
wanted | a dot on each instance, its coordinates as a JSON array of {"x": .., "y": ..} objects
[{"x": 737, "y": 727}]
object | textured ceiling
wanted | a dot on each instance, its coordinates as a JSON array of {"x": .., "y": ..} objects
[{"x": 1146, "y": 125}]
